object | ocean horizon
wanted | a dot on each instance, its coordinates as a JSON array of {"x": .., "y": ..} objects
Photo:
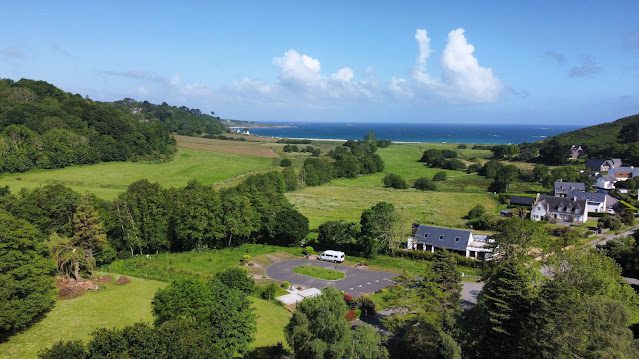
[{"x": 416, "y": 132}]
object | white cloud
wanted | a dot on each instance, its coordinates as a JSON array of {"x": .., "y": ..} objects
[{"x": 463, "y": 79}]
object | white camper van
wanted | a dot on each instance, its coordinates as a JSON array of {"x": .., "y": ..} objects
[{"x": 332, "y": 256}]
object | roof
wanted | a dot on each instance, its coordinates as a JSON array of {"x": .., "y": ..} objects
[
  {"x": 569, "y": 186},
  {"x": 562, "y": 204},
  {"x": 615, "y": 162},
  {"x": 456, "y": 239},
  {"x": 588, "y": 196},
  {"x": 334, "y": 253},
  {"x": 522, "y": 201},
  {"x": 595, "y": 163}
]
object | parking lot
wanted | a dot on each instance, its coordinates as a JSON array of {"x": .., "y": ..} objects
[{"x": 356, "y": 283}]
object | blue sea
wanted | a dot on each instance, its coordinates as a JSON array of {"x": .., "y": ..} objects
[{"x": 418, "y": 132}]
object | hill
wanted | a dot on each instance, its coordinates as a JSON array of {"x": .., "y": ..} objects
[
  {"x": 42, "y": 126},
  {"x": 619, "y": 139}
]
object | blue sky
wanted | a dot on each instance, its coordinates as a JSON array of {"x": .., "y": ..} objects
[{"x": 570, "y": 62}]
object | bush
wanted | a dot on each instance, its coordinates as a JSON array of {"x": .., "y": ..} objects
[
  {"x": 351, "y": 315},
  {"x": 608, "y": 221},
  {"x": 440, "y": 176},
  {"x": 366, "y": 305},
  {"x": 237, "y": 278},
  {"x": 394, "y": 181},
  {"x": 64, "y": 350},
  {"x": 308, "y": 250},
  {"x": 246, "y": 259},
  {"x": 285, "y": 162},
  {"x": 462, "y": 146},
  {"x": 285, "y": 285},
  {"x": 424, "y": 184},
  {"x": 268, "y": 292}
]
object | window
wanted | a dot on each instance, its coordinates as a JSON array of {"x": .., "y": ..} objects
[
  {"x": 425, "y": 235},
  {"x": 456, "y": 239},
  {"x": 441, "y": 237}
]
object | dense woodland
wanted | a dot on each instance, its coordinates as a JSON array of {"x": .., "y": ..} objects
[{"x": 42, "y": 126}]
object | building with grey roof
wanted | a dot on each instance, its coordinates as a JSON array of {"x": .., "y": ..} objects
[
  {"x": 561, "y": 187},
  {"x": 596, "y": 202},
  {"x": 561, "y": 209},
  {"x": 461, "y": 241}
]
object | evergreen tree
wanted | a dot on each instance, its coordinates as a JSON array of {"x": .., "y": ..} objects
[
  {"x": 449, "y": 281},
  {"x": 504, "y": 304},
  {"x": 88, "y": 229},
  {"x": 378, "y": 225}
]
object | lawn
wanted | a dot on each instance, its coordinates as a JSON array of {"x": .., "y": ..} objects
[
  {"x": 204, "y": 264},
  {"x": 334, "y": 202},
  {"x": 107, "y": 180},
  {"x": 271, "y": 320},
  {"x": 319, "y": 272},
  {"x": 112, "y": 306}
]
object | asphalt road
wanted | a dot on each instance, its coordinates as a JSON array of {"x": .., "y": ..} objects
[{"x": 356, "y": 283}]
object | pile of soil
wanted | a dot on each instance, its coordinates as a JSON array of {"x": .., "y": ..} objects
[
  {"x": 70, "y": 288},
  {"x": 123, "y": 280}
]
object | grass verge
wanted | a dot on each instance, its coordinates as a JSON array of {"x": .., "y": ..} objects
[{"x": 319, "y": 272}]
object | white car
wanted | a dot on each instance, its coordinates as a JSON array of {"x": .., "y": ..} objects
[{"x": 332, "y": 256}]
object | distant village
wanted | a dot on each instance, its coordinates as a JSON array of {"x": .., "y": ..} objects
[{"x": 570, "y": 204}]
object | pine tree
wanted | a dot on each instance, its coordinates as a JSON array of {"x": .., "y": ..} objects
[
  {"x": 88, "y": 229},
  {"x": 447, "y": 277},
  {"x": 505, "y": 303}
]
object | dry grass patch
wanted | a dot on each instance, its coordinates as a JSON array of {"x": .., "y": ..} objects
[{"x": 222, "y": 146}]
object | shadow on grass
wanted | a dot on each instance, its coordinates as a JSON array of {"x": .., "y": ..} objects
[{"x": 270, "y": 352}]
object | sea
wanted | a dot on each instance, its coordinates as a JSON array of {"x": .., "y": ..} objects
[{"x": 416, "y": 132}]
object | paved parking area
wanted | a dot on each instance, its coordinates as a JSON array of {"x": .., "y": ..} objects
[{"x": 356, "y": 283}]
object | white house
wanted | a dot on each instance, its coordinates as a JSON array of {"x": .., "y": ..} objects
[
  {"x": 576, "y": 152},
  {"x": 596, "y": 202},
  {"x": 461, "y": 241},
  {"x": 562, "y": 209},
  {"x": 606, "y": 182}
]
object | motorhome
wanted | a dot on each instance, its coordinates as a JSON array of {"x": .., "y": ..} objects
[{"x": 332, "y": 256}]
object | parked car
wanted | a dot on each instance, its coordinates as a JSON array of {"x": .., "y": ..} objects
[{"x": 332, "y": 256}]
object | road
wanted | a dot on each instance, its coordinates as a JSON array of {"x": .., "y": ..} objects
[{"x": 605, "y": 237}]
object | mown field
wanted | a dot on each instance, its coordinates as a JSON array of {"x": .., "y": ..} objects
[{"x": 107, "y": 180}]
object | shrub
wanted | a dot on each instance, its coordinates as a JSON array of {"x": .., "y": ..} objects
[
  {"x": 440, "y": 176},
  {"x": 462, "y": 146},
  {"x": 308, "y": 250},
  {"x": 63, "y": 350},
  {"x": 394, "y": 181},
  {"x": 424, "y": 184},
  {"x": 608, "y": 221},
  {"x": 285, "y": 285},
  {"x": 269, "y": 291},
  {"x": 351, "y": 315},
  {"x": 285, "y": 162},
  {"x": 350, "y": 301},
  {"x": 366, "y": 305},
  {"x": 237, "y": 278},
  {"x": 245, "y": 259}
]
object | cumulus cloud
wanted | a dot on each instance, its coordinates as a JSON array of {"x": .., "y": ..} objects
[
  {"x": 588, "y": 67},
  {"x": 463, "y": 79},
  {"x": 556, "y": 56}
]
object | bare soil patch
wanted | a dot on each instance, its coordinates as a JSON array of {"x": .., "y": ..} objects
[
  {"x": 222, "y": 146},
  {"x": 104, "y": 279},
  {"x": 69, "y": 288},
  {"x": 123, "y": 280}
]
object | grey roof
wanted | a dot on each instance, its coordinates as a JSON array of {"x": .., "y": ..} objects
[
  {"x": 616, "y": 162},
  {"x": 595, "y": 163},
  {"x": 562, "y": 204},
  {"x": 594, "y": 197},
  {"x": 456, "y": 239},
  {"x": 521, "y": 201},
  {"x": 569, "y": 186}
]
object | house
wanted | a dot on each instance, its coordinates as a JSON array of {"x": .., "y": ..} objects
[
  {"x": 522, "y": 201},
  {"x": 246, "y": 131},
  {"x": 599, "y": 165},
  {"x": 623, "y": 173},
  {"x": 597, "y": 202},
  {"x": 576, "y": 152},
  {"x": 461, "y": 241},
  {"x": 562, "y": 209},
  {"x": 561, "y": 188},
  {"x": 606, "y": 182}
]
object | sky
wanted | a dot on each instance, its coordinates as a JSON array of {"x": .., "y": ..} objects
[{"x": 541, "y": 62}]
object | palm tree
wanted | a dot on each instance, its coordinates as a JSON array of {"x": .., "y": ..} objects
[{"x": 70, "y": 259}]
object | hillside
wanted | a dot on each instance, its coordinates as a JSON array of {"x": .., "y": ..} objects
[
  {"x": 42, "y": 126},
  {"x": 616, "y": 139}
]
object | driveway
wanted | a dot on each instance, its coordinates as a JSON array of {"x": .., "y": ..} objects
[{"x": 356, "y": 283}]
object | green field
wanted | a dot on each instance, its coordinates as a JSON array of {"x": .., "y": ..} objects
[
  {"x": 107, "y": 180},
  {"x": 319, "y": 272},
  {"x": 111, "y": 306},
  {"x": 331, "y": 202}
]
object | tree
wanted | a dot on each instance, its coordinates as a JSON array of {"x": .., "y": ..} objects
[
  {"x": 439, "y": 176},
  {"x": 504, "y": 177},
  {"x": 504, "y": 303},
  {"x": 337, "y": 234},
  {"x": 88, "y": 229},
  {"x": 50, "y": 208},
  {"x": 448, "y": 279},
  {"x": 196, "y": 218},
  {"x": 421, "y": 339},
  {"x": 64, "y": 350},
  {"x": 424, "y": 184},
  {"x": 240, "y": 218},
  {"x": 611, "y": 222},
  {"x": 224, "y": 314},
  {"x": 285, "y": 162},
  {"x": 553, "y": 152},
  {"x": 318, "y": 329},
  {"x": 69, "y": 257},
  {"x": 516, "y": 236},
  {"x": 289, "y": 227},
  {"x": 378, "y": 228},
  {"x": 540, "y": 172},
  {"x": 393, "y": 180},
  {"x": 26, "y": 281},
  {"x": 237, "y": 278}
]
